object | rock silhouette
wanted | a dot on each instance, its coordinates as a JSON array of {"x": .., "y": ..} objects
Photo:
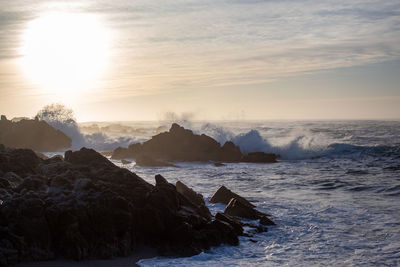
[
  {"x": 85, "y": 207},
  {"x": 32, "y": 134},
  {"x": 180, "y": 144}
]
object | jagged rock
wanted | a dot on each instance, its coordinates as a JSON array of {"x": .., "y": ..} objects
[
  {"x": 33, "y": 134},
  {"x": 236, "y": 224},
  {"x": 236, "y": 208},
  {"x": 180, "y": 144},
  {"x": 266, "y": 221},
  {"x": 259, "y": 157},
  {"x": 194, "y": 197},
  {"x": 86, "y": 207},
  {"x": 224, "y": 195}
]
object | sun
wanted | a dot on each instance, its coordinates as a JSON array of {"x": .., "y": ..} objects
[{"x": 65, "y": 53}]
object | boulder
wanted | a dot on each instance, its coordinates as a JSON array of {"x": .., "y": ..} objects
[
  {"x": 238, "y": 209},
  {"x": 224, "y": 195}
]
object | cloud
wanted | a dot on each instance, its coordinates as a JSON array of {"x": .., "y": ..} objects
[{"x": 188, "y": 45}]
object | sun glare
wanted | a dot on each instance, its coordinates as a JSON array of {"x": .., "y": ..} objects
[{"x": 65, "y": 53}]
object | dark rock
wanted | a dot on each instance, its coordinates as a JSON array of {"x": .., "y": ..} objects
[
  {"x": 86, "y": 207},
  {"x": 266, "y": 221},
  {"x": 33, "y": 134},
  {"x": 180, "y": 144},
  {"x": 259, "y": 157},
  {"x": 193, "y": 197},
  {"x": 190, "y": 194},
  {"x": 146, "y": 161},
  {"x": 87, "y": 156},
  {"x": 20, "y": 161},
  {"x": 238, "y": 209},
  {"x": 13, "y": 179},
  {"x": 219, "y": 164},
  {"x": 224, "y": 195},
  {"x": 236, "y": 224}
]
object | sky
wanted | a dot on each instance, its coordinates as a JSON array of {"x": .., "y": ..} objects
[{"x": 216, "y": 60}]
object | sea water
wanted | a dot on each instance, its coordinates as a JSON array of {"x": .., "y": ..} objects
[{"x": 334, "y": 194}]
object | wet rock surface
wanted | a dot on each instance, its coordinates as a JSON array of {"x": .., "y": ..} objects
[{"x": 85, "y": 207}]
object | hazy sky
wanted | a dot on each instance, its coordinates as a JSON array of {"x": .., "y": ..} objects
[{"x": 238, "y": 59}]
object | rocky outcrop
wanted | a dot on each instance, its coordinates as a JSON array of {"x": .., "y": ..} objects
[
  {"x": 236, "y": 208},
  {"x": 224, "y": 195},
  {"x": 32, "y": 134},
  {"x": 180, "y": 144},
  {"x": 84, "y": 207}
]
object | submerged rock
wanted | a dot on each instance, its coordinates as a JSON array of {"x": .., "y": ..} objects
[
  {"x": 33, "y": 134},
  {"x": 86, "y": 207}
]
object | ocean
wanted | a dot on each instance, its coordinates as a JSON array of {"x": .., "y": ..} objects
[{"x": 334, "y": 194}]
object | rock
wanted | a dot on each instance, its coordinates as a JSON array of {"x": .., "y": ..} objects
[
  {"x": 87, "y": 208},
  {"x": 190, "y": 194},
  {"x": 193, "y": 197},
  {"x": 20, "y": 161},
  {"x": 124, "y": 161},
  {"x": 33, "y": 134},
  {"x": 224, "y": 195},
  {"x": 266, "y": 221},
  {"x": 219, "y": 164},
  {"x": 180, "y": 144},
  {"x": 259, "y": 157},
  {"x": 13, "y": 179},
  {"x": 146, "y": 161},
  {"x": 160, "y": 180},
  {"x": 238, "y": 209},
  {"x": 236, "y": 224}
]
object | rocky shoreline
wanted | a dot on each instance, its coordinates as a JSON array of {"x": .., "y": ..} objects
[
  {"x": 34, "y": 134},
  {"x": 82, "y": 206}
]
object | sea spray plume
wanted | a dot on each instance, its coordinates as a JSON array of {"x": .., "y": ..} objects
[
  {"x": 297, "y": 144},
  {"x": 184, "y": 119},
  {"x": 219, "y": 133},
  {"x": 62, "y": 118}
]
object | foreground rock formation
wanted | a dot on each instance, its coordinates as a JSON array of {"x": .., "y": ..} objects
[
  {"x": 180, "y": 144},
  {"x": 83, "y": 206},
  {"x": 33, "y": 134}
]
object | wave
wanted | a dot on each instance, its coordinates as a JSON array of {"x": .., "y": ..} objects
[{"x": 298, "y": 144}]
